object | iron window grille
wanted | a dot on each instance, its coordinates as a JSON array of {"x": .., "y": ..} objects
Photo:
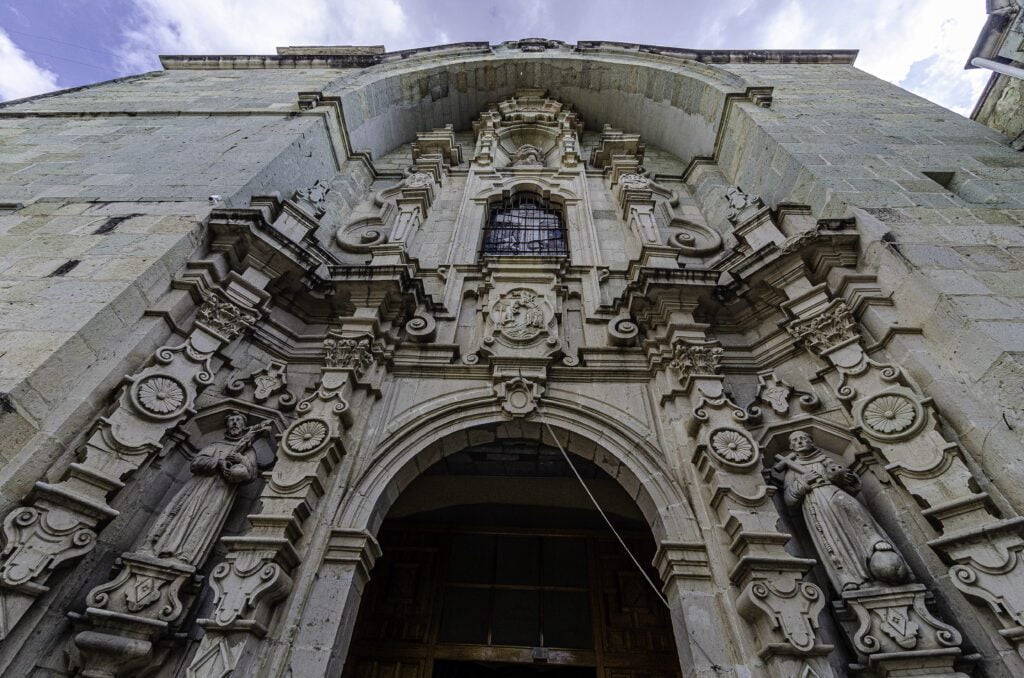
[{"x": 525, "y": 225}]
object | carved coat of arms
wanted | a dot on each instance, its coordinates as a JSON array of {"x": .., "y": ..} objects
[{"x": 519, "y": 315}]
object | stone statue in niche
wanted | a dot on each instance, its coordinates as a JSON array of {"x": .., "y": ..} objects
[
  {"x": 853, "y": 548},
  {"x": 528, "y": 156},
  {"x": 193, "y": 519}
]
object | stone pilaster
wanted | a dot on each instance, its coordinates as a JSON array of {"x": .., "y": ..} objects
[
  {"x": 258, "y": 570},
  {"x": 781, "y": 608},
  {"x": 59, "y": 522},
  {"x": 893, "y": 416}
]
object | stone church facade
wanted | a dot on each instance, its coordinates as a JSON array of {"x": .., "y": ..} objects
[{"x": 321, "y": 364}]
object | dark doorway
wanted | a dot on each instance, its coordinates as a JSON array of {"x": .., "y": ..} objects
[
  {"x": 450, "y": 669},
  {"x": 494, "y": 564}
]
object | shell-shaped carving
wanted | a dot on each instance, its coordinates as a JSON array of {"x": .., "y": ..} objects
[{"x": 694, "y": 239}]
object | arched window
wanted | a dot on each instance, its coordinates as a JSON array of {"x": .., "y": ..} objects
[{"x": 525, "y": 224}]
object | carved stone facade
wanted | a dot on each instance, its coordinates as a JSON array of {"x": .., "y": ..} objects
[{"x": 802, "y": 396}]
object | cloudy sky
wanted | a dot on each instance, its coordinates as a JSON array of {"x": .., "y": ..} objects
[{"x": 921, "y": 45}]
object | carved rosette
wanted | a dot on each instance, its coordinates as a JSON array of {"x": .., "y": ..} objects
[
  {"x": 159, "y": 396},
  {"x": 305, "y": 437},
  {"x": 891, "y": 415},
  {"x": 733, "y": 448}
]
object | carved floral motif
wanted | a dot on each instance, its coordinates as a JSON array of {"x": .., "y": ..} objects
[
  {"x": 634, "y": 182},
  {"x": 356, "y": 353},
  {"x": 889, "y": 414},
  {"x": 826, "y": 330},
  {"x": 732, "y": 446},
  {"x": 222, "y": 316},
  {"x": 692, "y": 360},
  {"x": 306, "y": 435},
  {"x": 160, "y": 395}
]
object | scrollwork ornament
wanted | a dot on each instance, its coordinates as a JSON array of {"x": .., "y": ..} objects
[{"x": 622, "y": 331}]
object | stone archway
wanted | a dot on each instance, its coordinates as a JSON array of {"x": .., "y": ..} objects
[{"x": 424, "y": 437}]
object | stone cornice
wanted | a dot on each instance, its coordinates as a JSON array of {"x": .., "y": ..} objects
[{"x": 328, "y": 57}]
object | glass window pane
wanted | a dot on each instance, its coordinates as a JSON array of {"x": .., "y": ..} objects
[
  {"x": 565, "y": 562},
  {"x": 516, "y": 618},
  {"x": 567, "y": 619},
  {"x": 464, "y": 615},
  {"x": 472, "y": 560},
  {"x": 518, "y": 560}
]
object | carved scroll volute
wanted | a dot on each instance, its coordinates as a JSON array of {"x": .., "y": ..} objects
[
  {"x": 60, "y": 525},
  {"x": 782, "y": 608},
  {"x": 257, "y": 571},
  {"x": 893, "y": 416}
]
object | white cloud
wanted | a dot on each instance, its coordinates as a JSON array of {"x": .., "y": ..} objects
[
  {"x": 893, "y": 37},
  {"x": 19, "y": 75},
  {"x": 258, "y": 27}
]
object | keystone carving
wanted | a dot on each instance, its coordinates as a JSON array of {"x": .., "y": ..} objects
[{"x": 518, "y": 396}]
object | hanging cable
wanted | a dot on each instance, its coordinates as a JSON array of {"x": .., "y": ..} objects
[
  {"x": 593, "y": 500},
  {"x": 714, "y": 667}
]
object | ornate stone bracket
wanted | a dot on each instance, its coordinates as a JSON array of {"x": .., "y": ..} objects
[
  {"x": 781, "y": 607},
  {"x": 60, "y": 521},
  {"x": 401, "y": 209},
  {"x": 892, "y": 416},
  {"x": 257, "y": 571}
]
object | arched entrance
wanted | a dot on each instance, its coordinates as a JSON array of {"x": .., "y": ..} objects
[{"x": 495, "y": 563}]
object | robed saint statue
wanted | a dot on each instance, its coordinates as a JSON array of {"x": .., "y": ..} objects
[
  {"x": 853, "y": 548},
  {"x": 193, "y": 519}
]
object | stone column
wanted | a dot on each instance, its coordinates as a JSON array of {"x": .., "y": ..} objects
[
  {"x": 898, "y": 421},
  {"x": 59, "y": 522},
  {"x": 321, "y": 644},
  {"x": 771, "y": 593},
  {"x": 259, "y": 567},
  {"x": 698, "y": 620}
]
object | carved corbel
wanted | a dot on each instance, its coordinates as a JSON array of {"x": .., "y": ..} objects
[
  {"x": 60, "y": 522},
  {"x": 257, "y": 571},
  {"x": 772, "y": 594},
  {"x": 518, "y": 396},
  {"x": 896, "y": 419}
]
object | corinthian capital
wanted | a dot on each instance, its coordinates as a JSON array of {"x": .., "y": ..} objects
[{"x": 826, "y": 330}]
